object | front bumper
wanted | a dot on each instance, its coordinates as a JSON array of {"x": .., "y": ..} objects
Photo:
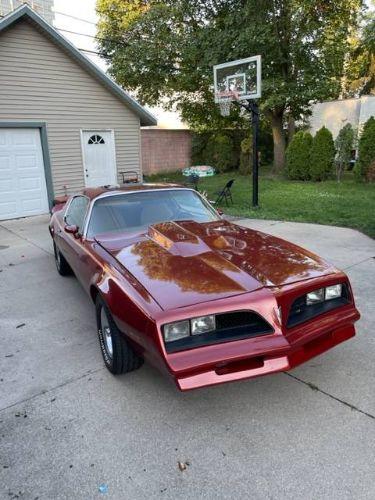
[{"x": 261, "y": 356}]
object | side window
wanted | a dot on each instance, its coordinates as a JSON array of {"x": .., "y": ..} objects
[{"x": 76, "y": 212}]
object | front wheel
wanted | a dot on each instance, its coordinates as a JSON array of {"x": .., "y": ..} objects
[{"x": 118, "y": 355}]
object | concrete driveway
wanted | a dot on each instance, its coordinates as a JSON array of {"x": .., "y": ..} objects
[{"x": 68, "y": 426}]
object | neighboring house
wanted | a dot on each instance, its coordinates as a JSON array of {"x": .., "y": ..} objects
[
  {"x": 336, "y": 114},
  {"x": 64, "y": 124},
  {"x": 43, "y": 7}
]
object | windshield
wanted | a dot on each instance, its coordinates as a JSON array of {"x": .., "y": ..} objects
[{"x": 136, "y": 211}]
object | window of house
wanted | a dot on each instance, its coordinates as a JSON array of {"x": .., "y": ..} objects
[{"x": 96, "y": 139}]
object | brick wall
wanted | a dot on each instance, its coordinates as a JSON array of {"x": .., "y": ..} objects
[{"x": 165, "y": 150}]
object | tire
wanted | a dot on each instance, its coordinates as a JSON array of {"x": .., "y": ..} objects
[
  {"x": 62, "y": 266},
  {"x": 118, "y": 355}
]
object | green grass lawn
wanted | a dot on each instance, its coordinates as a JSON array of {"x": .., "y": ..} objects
[{"x": 348, "y": 204}]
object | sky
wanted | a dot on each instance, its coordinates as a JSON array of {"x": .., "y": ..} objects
[{"x": 81, "y": 9}]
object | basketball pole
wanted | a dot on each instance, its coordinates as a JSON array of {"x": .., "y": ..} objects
[
  {"x": 253, "y": 108},
  {"x": 255, "y": 124}
]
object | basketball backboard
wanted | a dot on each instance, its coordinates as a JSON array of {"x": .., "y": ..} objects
[{"x": 242, "y": 77}]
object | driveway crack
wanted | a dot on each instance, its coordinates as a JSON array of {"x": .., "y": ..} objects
[
  {"x": 26, "y": 239},
  {"x": 47, "y": 391},
  {"x": 314, "y": 387},
  {"x": 358, "y": 263}
]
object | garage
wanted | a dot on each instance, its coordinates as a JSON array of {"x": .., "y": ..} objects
[{"x": 23, "y": 189}]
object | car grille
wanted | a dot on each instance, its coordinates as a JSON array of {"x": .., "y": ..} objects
[
  {"x": 231, "y": 326},
  {"x": 300, "y": 312}
]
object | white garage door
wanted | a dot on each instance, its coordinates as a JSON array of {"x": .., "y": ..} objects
[{"x": 23, "y": 188}]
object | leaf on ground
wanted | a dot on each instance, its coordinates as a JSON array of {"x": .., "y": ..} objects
[{"x": 183, "y": 465}]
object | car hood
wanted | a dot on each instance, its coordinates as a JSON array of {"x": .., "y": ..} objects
[{"x": 184, "y": 263}]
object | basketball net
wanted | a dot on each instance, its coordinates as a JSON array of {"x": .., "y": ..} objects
[{"x": 225, "y": 99}]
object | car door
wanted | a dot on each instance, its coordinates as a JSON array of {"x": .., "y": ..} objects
[{"x": 71, "y": 244}]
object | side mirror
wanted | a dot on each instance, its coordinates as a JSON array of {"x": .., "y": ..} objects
[
  {"x": 219, "y": 211},
  {"x": 72, "y": 229}
]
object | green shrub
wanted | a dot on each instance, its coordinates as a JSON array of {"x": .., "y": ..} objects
[
  {"x": 344, "y": 146},
  {"x": 322, "y": 155},
  {"x": 202, "y": 152},
  {"x": 370, "y": 174},
  {"x": 198, "y": 146},
  {"x": 298, "y": 156},
  {"x": 366, "y": 149},
  {"x": 219, "y": 152},
  {"x": 246, "y": 156}
]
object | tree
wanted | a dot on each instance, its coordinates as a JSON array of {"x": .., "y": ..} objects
[
  {"x": 219, "y": 152},
  {"x": 246, "y": 156},
  {"x": 298, "y": 156},
  {"x": 322, "y": 155},
  {"x": 344, "y": 146},
  {"x": 165, "y": 50},
  {"x": 366, "y": 149},
  {"x": 359, "y": 78}
]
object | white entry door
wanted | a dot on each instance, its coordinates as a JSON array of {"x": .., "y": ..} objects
[
  {"x": 23, "y": 188},
  {"x": 99, "y": 160}
]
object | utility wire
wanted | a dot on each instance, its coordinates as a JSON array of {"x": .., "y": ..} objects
[
  {"x": 94, "y": 37},
  {"x": 68, "y": 15},
  {"x": 77, "y": 33},
  {"x": 90, "y": 51},
  {"x": 74, "y": 17}
]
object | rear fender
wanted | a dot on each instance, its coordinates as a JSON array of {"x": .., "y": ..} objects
[{"x": 59, "y": 203}]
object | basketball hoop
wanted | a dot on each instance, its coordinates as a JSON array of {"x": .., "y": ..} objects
[
  {"x": 240, "y": 82},
  {"x": 225, "y": 99}
]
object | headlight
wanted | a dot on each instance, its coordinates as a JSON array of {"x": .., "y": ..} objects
[
  {"x": 333, "y": 292},
  {"x": 322, "y": 294},
  {"x": 202, "y": 324},
  {"x": 194, "y": 326},
  {"x": 315, "y": 297},
  {"x": 175, "y": 331}
]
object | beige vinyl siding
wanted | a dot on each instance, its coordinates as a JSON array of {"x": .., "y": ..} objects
[{"x": 39, "y": 81}]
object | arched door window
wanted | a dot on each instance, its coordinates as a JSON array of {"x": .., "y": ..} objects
[{"x": 96, "y": 139}]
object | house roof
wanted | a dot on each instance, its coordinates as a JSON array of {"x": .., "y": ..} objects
[{"x": 26, "y": 13}]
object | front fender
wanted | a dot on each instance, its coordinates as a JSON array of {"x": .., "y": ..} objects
[{"x": 132, "y": 314}]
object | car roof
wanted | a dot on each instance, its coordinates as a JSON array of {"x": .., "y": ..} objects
[{"x": 97, "y": 192}]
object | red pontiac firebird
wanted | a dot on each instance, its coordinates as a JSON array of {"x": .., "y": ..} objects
[{"x": 203, "y": 299}]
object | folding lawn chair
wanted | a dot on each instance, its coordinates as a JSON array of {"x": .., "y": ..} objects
[{"x": 225, "y": 193}]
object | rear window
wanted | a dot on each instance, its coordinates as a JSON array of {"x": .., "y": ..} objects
[{"x": 136, "y": 211}]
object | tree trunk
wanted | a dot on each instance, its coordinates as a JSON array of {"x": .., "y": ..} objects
[
  {"x": 291, "y": 128},
  {"x": 278, "y": 142}
]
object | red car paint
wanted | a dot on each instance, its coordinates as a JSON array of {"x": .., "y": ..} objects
[{"x": 176, "y": 271}]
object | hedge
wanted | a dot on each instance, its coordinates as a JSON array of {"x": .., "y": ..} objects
[
  {"x": 208, "y": 145},
  {"x": 298, "y": 156},
  {"x": 322, "y": 155},
  {"x": 366, "y": 149}
]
